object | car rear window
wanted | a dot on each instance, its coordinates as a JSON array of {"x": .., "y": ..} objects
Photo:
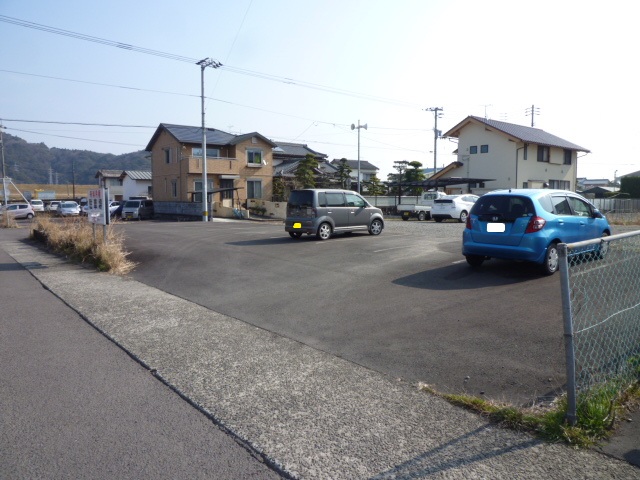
[
  {"x": 301, "y": 198},
  {"x": 503, "y": 206}
]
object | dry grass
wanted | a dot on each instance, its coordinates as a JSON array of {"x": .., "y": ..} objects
[
  {"x": 623, "y": 218},
  {"x": 74, "y": 237}
]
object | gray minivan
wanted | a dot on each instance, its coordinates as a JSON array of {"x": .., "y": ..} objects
[
  {"x": 137, "y": 209},
  {"x": 323, "y": 212}
]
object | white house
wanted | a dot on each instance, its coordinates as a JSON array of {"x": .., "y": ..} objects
[
  {"x": 135, "y": 183},
  {"x": 510, "y": 156}
]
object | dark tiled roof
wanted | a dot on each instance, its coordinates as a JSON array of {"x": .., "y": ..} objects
[
  {"x": 522, "y": 133},
  {"x": 297, "y": 150},
  {"x": 353, "y": 164},
  {"x": 193, "y": 135}
]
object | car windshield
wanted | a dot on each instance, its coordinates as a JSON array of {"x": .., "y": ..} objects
[
  {"x": 503, "y": 205},
  {"x": 69, "y": 205},
  {"x": 301, "y": 198},
  {"x": 132, "y": 204}
]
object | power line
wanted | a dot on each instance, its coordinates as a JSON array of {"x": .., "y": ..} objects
[
  {"x": 74, "y": 138},
  {"x": 241, "y": 71}
]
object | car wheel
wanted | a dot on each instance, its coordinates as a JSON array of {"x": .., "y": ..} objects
[
  {"x": 29, "y": 216},
  {"x": 551, "y": 260},
  {"x": 324, "y": 231},
  {"x": 376, "y": 227},
  {"x": 421, "y": 216},
  {"x": 463, "y": 217},
  {"x": 603, "y": 249},
  {"x": 438, "y": 219},
  {"x": 295, "y": 234},
  {"x": 405, "y": 218},
  {"x": 475, "y": 260}
]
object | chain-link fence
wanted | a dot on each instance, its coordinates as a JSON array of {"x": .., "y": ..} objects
[{"x": 600, "y": 282}]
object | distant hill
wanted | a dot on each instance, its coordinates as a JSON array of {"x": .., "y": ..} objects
[{"x": 30, "y": 162}]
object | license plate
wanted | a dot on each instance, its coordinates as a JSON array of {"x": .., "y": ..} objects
[
  {"x": 297, "y": 225},
  {"x": 495, "y": 227}
]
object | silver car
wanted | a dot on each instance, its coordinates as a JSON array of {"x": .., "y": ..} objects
[{"x": 323, "y": 212}]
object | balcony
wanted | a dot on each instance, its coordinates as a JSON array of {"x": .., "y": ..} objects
[{"x": 218, "y": 165}]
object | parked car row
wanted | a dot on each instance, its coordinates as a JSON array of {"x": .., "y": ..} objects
[
  {"x": 135, "y": 209},
  {"x": 514, "y": 224}
]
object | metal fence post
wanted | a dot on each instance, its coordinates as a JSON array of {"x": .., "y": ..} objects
[{"x": 569, "y": 348}]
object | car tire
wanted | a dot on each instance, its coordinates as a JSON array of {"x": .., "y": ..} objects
[
  {"x": 405, "y": 218},
  {"x": 421, "y": 216},
  {"x": 438, "y": 219},
  {"x": 475, "y": 260},
  {"x": 376, "y": 227},
  {"x": 463, "y": 216},
  {"x": 29, "y": 216},
  {"x": 551, "y": 260},
  {"x": 324, "y": 231},
  {"x": 295, "y": 234}
]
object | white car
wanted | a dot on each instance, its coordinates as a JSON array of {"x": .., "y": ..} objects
[
  {"x": 68, "y": 209},
  {"x": 456, "y": 207},
  {"x": 37, "y": 205},
  {"x": 18, "y": 210},
  {"x": 52, "y": 206}
]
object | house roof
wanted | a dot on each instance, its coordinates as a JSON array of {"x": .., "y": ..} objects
[
  {"x": 108, "y": 173},
  {"x": 136, "y": 174},
  {"x": 297, "y": 150},
  {"x": 520, "y": 132},
  {"x": 353, "y": 164},
  {"x": 288, "y": 167},
  {"x": 193, "y": 135}
]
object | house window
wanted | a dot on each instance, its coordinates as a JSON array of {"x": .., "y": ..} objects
[
  {"x": 197, "y": 187},
  {"x": 254, "y": 189},
  {"x": 484, "y": 148},
  {"x": 560, "y": 184},
  {"x": 211, "y": 152},
  {"x": 567, "y": 157},
  {"x": 526, "y": 150},
  {"x": 174, "y": 188},
  {"x": 543, "y": 154},
  {"x": 473, "y": 149},
  {"x": 254, "y": 156},
  {"x": 167, "y": 155},
  {"x": 226, "y": 194}
]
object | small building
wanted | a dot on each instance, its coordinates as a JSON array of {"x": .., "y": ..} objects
[
  {"x": 136, "y": 183},
  {"x": 513, "y": 156},
  {"x": 111, "y": 179},
  {"x": 239, "y": 168}
]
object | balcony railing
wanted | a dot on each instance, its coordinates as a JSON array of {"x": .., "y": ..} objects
[{"x": 217, "y": 165}]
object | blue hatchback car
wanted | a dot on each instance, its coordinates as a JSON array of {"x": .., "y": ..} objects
[{"x": 528, "y": 225}]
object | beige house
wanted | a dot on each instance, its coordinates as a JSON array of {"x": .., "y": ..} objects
[
  {"x": 512, "y": 156},
  {"x": 239, "y": 170}
]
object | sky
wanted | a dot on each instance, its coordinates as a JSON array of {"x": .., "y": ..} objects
[{"x": 102, "y": 76}]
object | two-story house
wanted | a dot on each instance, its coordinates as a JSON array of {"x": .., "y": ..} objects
[
  {"x": 367, "y": 170},
  {"x": 513, "y": 156},
  {"x": 239, "y": 168}
]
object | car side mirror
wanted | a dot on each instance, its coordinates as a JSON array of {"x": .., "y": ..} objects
[{"x": 597, "y": 214}]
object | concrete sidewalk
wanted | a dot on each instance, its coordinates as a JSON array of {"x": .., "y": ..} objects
[{"x": 313, "y": 414}]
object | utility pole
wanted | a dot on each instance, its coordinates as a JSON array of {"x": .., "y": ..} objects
[
  {"x": 437, "y": 113},
  {"x": 532, "y": 111},
  {"x": 204, "y": 63},
  {"x": 353, "y": 127},
  {"x": 4, "y": 179}
]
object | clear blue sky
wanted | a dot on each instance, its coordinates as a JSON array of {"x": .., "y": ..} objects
[{"x": 574, "y": 60}]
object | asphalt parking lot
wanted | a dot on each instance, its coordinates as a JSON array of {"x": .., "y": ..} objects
[{"x": 404, "y": 303}]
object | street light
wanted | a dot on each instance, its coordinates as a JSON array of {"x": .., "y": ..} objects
[
  {"x": 204, "y": 63},
  {"x": 353, "y": 127}
]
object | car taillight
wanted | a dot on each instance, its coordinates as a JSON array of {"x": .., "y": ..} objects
[
  {"x": 535, "y": 225},
  {"x": 468, "y": 223}
]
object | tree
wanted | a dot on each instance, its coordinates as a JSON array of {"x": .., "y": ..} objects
[
  {"x": 344, "y": 173},
  {"x": 415, "y": 174},
  {"x": 631, "y": 186},
  {"x": 278, "y": 189},
  {"x": 305, "y": 173},
  {"x": 375, "y": 187},
  {"x": 398, "y": 178}
]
